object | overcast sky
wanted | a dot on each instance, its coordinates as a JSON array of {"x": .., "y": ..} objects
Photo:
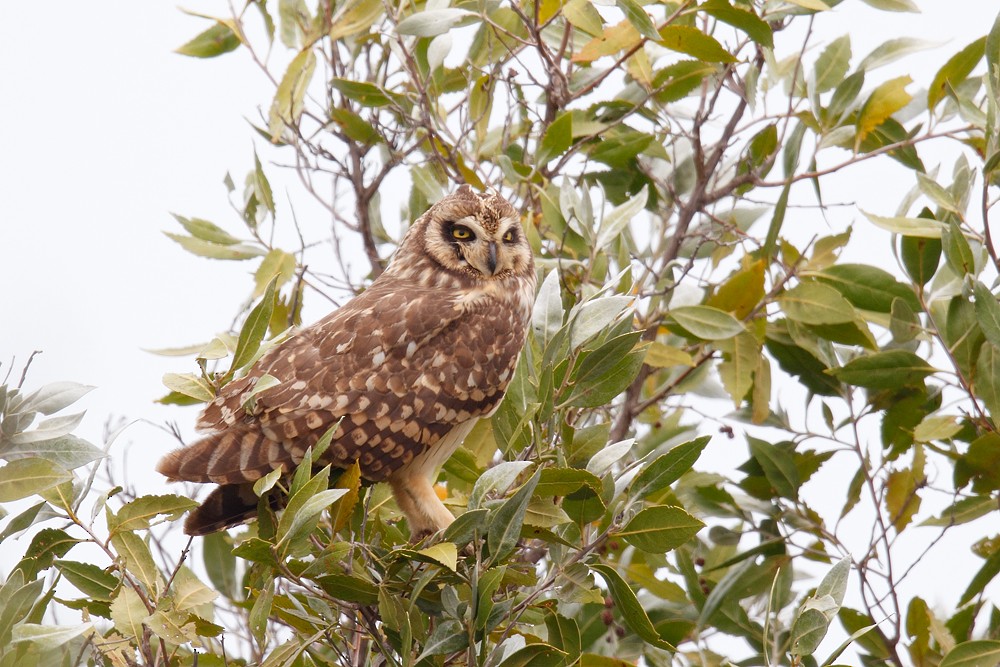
[{"x": 104, "y": 131}]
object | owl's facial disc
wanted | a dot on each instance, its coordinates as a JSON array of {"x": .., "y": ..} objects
[{"x": 486, "y": 252}]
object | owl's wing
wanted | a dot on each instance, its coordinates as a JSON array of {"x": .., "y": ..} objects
[{"x": 369, "y": 366}]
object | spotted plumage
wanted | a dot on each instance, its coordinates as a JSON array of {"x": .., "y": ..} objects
[{"x": 407, "y": 367}]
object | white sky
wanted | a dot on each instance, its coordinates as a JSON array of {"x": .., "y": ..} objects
[{"x": 104, "y": 131}]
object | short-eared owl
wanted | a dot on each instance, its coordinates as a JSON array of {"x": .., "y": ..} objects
[{"x": 408, "y": 367}]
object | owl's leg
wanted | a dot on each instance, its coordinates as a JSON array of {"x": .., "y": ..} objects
[{"x": 416, "y": 497}]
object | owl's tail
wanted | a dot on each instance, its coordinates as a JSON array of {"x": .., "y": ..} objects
[
  {"x": 228, "y": 505},
  {"x": 228, "y": 457}
]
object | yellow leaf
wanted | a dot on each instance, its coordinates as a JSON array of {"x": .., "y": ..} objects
[
  {"x": 355, "y": 17},
  {"x": 659, "y": 355},
  {"x": 884, "y": 101},
  {"x": 341, "y": 511},
  {"x": 614, "y": 39},
  {"x": 741, "y": 292},
  {"x": 582, "y": 15},
  {"x": 901, "y": 499}
]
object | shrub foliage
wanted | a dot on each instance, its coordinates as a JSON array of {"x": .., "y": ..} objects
[{"x": 672, "y": 161}]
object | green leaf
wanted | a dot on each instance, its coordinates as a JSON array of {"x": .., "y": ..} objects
[
  {"x": 89, "y": 579},
  {"x": 868, "y": 287},
  {"x": 48, "y": 637},
  {"x": 707, "y": 323},
  {"x": 202, "y": 248},
  {"x": 660, "y": 529},
  {"x": 301, "y": 520},
  {"x": 986, "y": 381},
  {"x": 955, "y": 71},
  {"x": 354, "y": 17},
  {"x": 53, "y": 397},
  {"x": 976, "y": 653},
  {"x": 68, "y": 451},
  {"x": 667, "y": 468},
  {"x": 189, "y": 384},
  {"x": 816, "y": 303},
  {"x": 496, "y": 480},
  {"x": 536, "y": 655},
  {"x": 986, "y": 574},
  {"x": 963, "y": 511},
  {"x": 920, "y": 257},
  {"x": 206, "y": 231},
  {"x": 547, "y": 314},
  {"x": 605, "y": 372},
  {"x": 756, "y": 28},
  {"x": 987, "y": 312},
  {"x": 564, "y": 481},
  {"x": 957, "y": 252},
  {"x": 695, "y": 43},
  {"x": 355, "y": 127},
  {"x": 449, "y": 636},
  {"x": 832, "y": 64},
  {"x": 128, "y": 613},
  {"x": 139, "y": 513},
  {"x": 260, "y": 611},
  {"x": 138, "y": 559},
  {"x": 254, "y": 329},
  {"x": 778, "y": 468},
  {"x": 582, "y": 14},
  {"x": 215, "y": 41},
  {"x": 737, "y": 371},
  {"x": 433, "y": 22},
  {"x": 618, "y": 218},
  {"x": 261, "y": 186},
  {"x": 638, "y": 17},
  {"x": 26, "y": 477},
  {"x": 557, "y": 139},
  {"x": 220, "y": 564},
  {"x": 884, "y": 370},
  {"x": 632, "y": 612},
  {"x": 594, "y": 316},
  {"x": 506, "y": 520},
  {"x": 286, "y": 109},
  {"x": 365, "y": 94},
  {"x": 350, "y": 588}
]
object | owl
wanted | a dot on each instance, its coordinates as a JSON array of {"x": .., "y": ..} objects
[{"x": 404, "y": 370}]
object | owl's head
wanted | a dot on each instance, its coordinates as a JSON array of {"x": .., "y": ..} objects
[{"x": 477, "y": 236}]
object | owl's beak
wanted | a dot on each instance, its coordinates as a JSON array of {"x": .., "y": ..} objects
[{"x": 491, "y": 260}]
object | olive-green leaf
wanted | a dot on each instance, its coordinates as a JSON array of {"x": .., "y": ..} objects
[
  {"x": 89, "y": 579},
  {"x": 660, "y": 529},
  {"x": 910, "y": 227},
  {"x": 868, "y": 287},
  {"x": 139, "y": 513},
  {"x": 506, "y": 520},
  {"x": 690, "y": 40},
  {"x": 26, "y": 477},
  {"x": 954, "y": 72},
  {"x": 213, "y": 42},
  {"x": 779, "y": 469},
  {"x": 667, "y": 468},
  {"x": 884, "y": 370},
  {"x": 706, "y": 322},
  {"x": 976, "y": 653},
  {"x": 756, "y": 28},
  {"x": 632, "y": 612},
  {"x": 816, "y": 303},
  {"x": 254, "y": 329},
  {"x": 987, "y": 312}
]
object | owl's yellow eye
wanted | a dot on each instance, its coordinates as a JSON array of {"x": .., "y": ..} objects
[
  {"x": 508, "y": 236},
  {"x": 460, "y": 233}
]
